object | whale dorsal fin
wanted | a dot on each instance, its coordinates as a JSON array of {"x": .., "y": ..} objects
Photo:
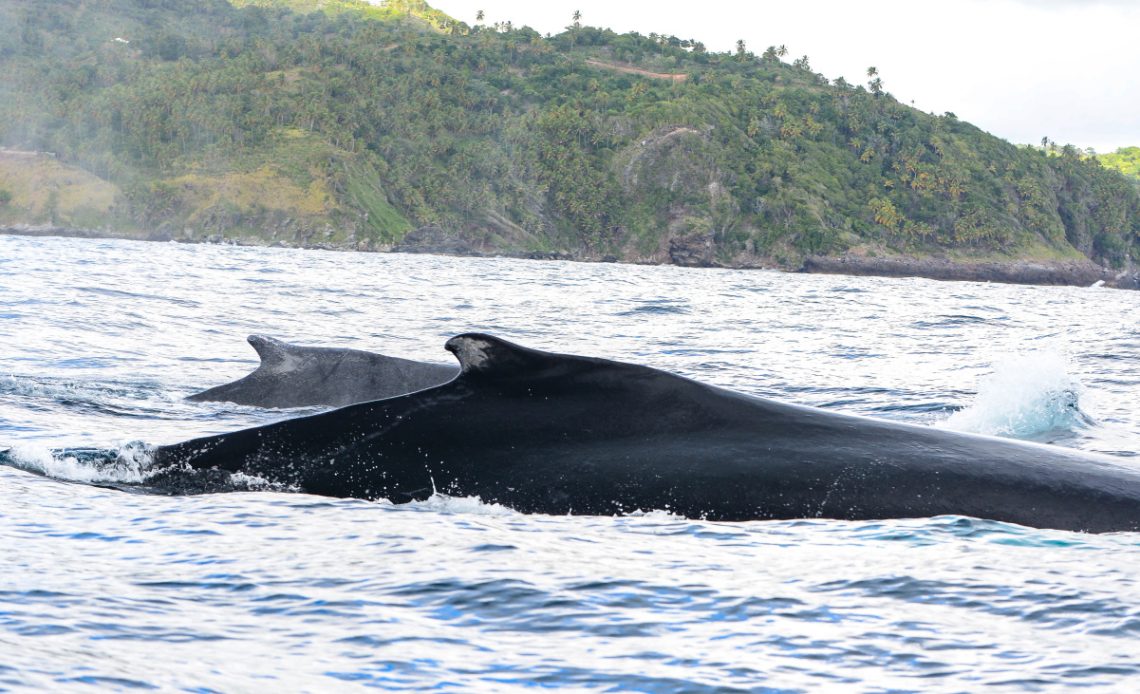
[
  {"x": 270, "y": 350},
  {"x": 487, "y": 355}
]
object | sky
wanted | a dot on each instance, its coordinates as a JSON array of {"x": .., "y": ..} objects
[{"x": 1068, "y": 70}]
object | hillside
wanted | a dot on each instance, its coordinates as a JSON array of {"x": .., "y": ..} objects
[
  {"x": 1126, "y": 160},
  {"x": 369, "y": 127}
]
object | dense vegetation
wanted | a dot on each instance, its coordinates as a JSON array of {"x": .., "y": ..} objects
[
  {"x": 1126, "y": 160},
  {"x": 357, "y": 125}
]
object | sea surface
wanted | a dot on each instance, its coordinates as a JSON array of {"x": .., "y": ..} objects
[{"x": 100, "y": 341}]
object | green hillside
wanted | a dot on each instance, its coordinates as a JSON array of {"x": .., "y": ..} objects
[
  {"x": 1126, "y": 160},
  {"x": 344, "y": 124}
]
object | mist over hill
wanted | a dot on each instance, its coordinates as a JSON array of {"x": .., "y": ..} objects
[{"x": 344, "y": 124}]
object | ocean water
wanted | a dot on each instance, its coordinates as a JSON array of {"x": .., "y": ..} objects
[{"x": 257, "y": 591}]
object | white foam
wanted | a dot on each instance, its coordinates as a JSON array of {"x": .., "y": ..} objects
[
  {"x": 127, "y": 466},
  {"x": 467, "y": 505},
  {"x": 1026, "y": 395},
  {"x": 252, "y": 483},
  {"x": 30, "y": 387},
  {"x": 656, "y": 515}
]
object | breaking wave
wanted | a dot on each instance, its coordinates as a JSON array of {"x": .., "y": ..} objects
[{"x": 127, "y": 464}]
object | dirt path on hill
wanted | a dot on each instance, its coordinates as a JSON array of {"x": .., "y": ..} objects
[{"x": 680, "y": 77}]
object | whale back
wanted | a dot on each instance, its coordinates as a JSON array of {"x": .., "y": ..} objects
[
  {"x": 556, "y": 433},
  {"x": 274, "y": 353},
  {"x": 299, "y": 376}
]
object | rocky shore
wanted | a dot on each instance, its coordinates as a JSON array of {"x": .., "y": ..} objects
[
  {"x": 1034, "y": 272},
  {"x": 1081, "y": 273}
]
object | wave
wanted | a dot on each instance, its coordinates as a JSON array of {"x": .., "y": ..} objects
[
  {"x": 127, "y": 464},
  {"x": 129, "y": 467},
  {"x": 117, "y": 398},
  {"x": 458, "y": 505},
  {"x": 657, "y": 307},
  {"x": 1027, "y": 396}
]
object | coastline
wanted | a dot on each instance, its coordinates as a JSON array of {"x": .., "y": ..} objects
[
  {"x": 1075, "y": 273},
  {"x": 1079, "y": 273}
]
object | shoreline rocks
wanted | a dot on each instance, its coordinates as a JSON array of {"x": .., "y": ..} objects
[{"x": 1079, "y": 273}]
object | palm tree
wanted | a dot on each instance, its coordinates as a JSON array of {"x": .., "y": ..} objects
[
  {"x": 781, "y": 51},
  {"x": 874, "y": 84},
  {"x": 577, "y": 17},
  {"x": 479, "y": 16}
]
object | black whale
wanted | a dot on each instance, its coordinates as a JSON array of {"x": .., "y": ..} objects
[
  {"x": 297, "y": 376},
  {"x": 551, "y": 433}
]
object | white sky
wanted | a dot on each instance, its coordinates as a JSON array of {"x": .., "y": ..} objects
[{"x": 1021, "y": 69}]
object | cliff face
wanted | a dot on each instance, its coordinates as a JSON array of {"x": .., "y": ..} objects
[{"x": 399, "y": 128}]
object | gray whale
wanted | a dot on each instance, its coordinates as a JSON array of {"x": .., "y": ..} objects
[
  {"x": 551, "y": 433},
  {"x": 296, "y": 376}
]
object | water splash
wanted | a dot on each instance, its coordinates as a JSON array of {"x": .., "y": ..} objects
[
  {"x": 131, "y": 466},
  {"x": 127, "y": 464},
  {"x": 460, "y": 505},
  {"x": 1027, "y": 396}
]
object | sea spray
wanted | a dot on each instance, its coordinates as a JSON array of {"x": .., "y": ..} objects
[
  {"x": 126, "y": 464},
  {"x": 1026, "y": 396}
]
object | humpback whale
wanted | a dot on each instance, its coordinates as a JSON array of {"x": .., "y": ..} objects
[
  {"x": 553, "y": 433},
  {"x": 296, "y": 376}
]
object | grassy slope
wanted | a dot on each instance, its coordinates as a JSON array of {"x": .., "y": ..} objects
[
  {"x": 295, "y": 188},
  {"x": 387, "y": 11},
  {"x": 44, "y": 190},
  {"x": 1126, "y": 160}
]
